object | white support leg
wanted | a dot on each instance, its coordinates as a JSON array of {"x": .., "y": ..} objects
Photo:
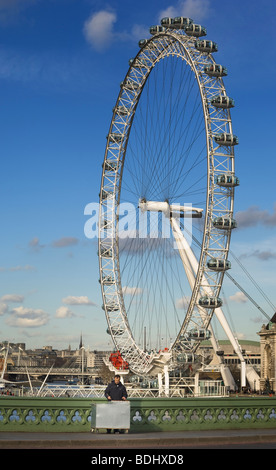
[
  {"x": 160, "y": 384},
  {"x": 184, "y": 247},
  {"x": 190, "y": 272},
  {"x": 196, "y": 393},
  {"x": 243, "y": 373},
  {"x": 167, "y": 381},
  {"x": 191, "y": 264}
]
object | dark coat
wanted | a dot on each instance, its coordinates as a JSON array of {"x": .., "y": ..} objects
[{"x": 115, "y": 391}]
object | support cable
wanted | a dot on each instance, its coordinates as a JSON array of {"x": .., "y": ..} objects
[
  {"x": 239, "y": 286},
  {"x": 252, "y": 280}
]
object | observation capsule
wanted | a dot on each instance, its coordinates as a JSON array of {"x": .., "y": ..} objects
[
  {"x": 135, "y": 379},
  {"x": 225, "y": 223},
  {"x": 227, "y": 181},
  {"x": 156, "y": 29},
  {"x": 146, "y": 42},
  {"x": 175, "y": 373},
  {"x": 215, "y": 70},
  {"x": 185, "y": 358},
  {"x": 121, "y": 110},
  {"x": 138, "y": 63},
  {"x": 226, "y": 139},
  {"x": 115, "y": 331},
  {"x": 167, "y": 22},
  {"x": 110, "y": 165},
  {"x": 146, "y": 384},
  {"x": 206, "y": 46},
  {"x": 210, "y": 302},
  {"x": 111, "y": 307},
  {"x": 220, "y": 101},
  {"x": 195, "y": 30},
  {"x": 104, "y": 224},
  {"x": 199, "y": 334},
  {"x": 218, "y": 264},
  {"x": 107, "y": 280},
  {"x": 180, "y": 22},
  {"x": 106, "y": 194},
  {"x": 130, "y": 85},
  {"x": 142, "y": 42},
  {"x": 106, "y": 252},
  {"x": 183, "y": 338},
  {"x": 116, "y": 138}
]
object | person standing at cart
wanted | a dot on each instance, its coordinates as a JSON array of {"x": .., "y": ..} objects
[{"x": 115, "y": 391}]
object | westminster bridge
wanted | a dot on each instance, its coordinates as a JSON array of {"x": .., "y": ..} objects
[
  {"x": 47, "y": 414},
  {"x": 42, "y": 371}
]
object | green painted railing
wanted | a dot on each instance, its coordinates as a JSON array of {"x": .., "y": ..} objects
[{"x": 147, "y": 414}]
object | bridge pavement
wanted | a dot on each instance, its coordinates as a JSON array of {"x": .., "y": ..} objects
[{"x": 211, "y": 439}]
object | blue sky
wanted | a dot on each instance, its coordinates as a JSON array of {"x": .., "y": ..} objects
[{"x": 61, "y": 63}]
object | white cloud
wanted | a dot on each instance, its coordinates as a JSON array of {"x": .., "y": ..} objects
[
  {"x": 27, "y": 317},
  {"x": 264, "y": 255},
  {"x": 100, "y": 34},
  {"x": 98, "y": 29},
  {"x": 132, "y": 290},
  {"x": 10, "y": 9},
  {"x": 12, "y": 298},
  {"x": 65, "y": 241},
  {"x": 3, "y": 308},
  {"x": 195, "y": 9},
  {"x": 27, "y": 267},
  {"x": 54, "y": 70},
  {"x": 238, "y": 297},
  {"x": 171, "y": 12},
  {"x": 74, "y": 300},
  {"x": 64, "y": 312},
  {"x": 241, "y": 336},
  {"x": 139, "y": 31},
  {"x": 183, "y": 302},
  {"x": 35, "y": 245},
  {"x": 254, "y": 216},
  {"x": 18, "y": 268},
  {"x": 258, "y": 319}
]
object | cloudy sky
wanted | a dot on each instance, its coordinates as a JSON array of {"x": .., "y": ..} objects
[{"x": 61, "y": 63}]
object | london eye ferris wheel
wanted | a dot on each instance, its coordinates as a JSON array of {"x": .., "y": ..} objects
[{"x": 167, "y": 199}]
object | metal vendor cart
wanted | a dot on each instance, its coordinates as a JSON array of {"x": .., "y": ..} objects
[{"x": 110, "y": 415}]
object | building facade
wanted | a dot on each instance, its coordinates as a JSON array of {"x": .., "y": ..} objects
[{"x": 268, "y": 355}]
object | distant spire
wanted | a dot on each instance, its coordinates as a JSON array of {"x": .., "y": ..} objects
[{"x": 80, "y": 346}]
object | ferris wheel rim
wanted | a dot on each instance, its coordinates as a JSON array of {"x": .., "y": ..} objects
[{"x": 174, "y": 37}]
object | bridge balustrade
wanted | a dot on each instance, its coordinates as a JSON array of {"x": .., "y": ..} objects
[{"x": 147, "y": 414}]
